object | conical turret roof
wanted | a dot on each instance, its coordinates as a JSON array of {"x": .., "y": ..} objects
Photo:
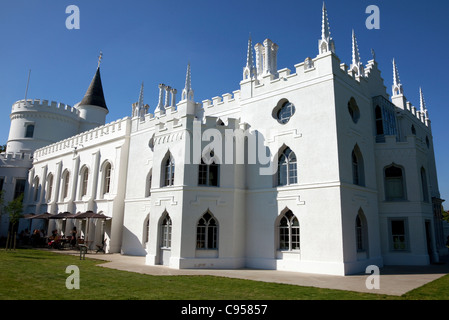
[{"x": 94, "y": 95}]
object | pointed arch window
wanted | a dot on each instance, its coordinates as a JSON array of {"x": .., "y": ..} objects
[
  {"x": 287, "y": 168},
  {"x": 148, "y": 184},
  {"x": 146, "y": 230},
  {"x": 65, "y": 186},
  {"x": 379, "y": 121},
  {"x": 394, "y": 183},
  {"x": 207, "y": 232},
  {"x": 107, "y": 178},
  {"x": 289, "y": 232},
  {"x": 166, "y": 230},
  {"x": 358, "y": 174},
  {"x": 424, "y": 186},
  {"x": 361, "y": 232},
  {"x": 169, "y": 168},
  {"x": 36, "y": 189},
  {"x": 208, "y": 174},
  {"x": 84, "y": 181},
  {"x": 49, "y": 187}
]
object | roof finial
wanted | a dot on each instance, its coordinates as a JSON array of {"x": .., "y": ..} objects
[
  {"x": 326, "y": 43},
  {"x": 397, "y": 86},
  {"x": 188, "y": 85},
  {"x": 100, "y": 57},
  {"x": 422, "y": 103},
  {"x": 187, "y": 92},
  {"x": 356, "y": 61},
  {"x": 249, "y": 71},
  {"x": 141, "y": 96},
  {"x": 325, "y": 30}
]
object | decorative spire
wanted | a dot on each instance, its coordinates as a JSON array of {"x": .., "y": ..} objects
[
  {"x": 249, "y": 72},
  {"x": 100, "y": 57},
  {"x": 326, "y": 43},
  {"x": 325, "y": 30},
  {"x": 357, "y": 65},
  {"x": 141, "y": 97},
  {"x": 249, "y": 56},
  {"x": 187, "y": 92},
  {"x": 139, "y": 108},
  {"x": 397, "y": 86},
  {"x": 422, "y": 103}
]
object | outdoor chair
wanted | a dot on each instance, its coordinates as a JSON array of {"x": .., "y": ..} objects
[{"x": 100, "y": 247}]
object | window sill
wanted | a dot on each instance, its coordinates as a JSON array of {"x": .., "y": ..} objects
[
  {"x": 288, "y": 254},
  {"x": 206, "y": 253}
]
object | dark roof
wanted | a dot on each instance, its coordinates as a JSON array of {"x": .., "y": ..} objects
[{"x": 94, "y": 95}]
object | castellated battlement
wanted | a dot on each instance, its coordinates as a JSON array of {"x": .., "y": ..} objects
[
  {"x": 101, "y": 134},
  {"x": 40, "y": 105},
  {"x": 10, "y": 157}
]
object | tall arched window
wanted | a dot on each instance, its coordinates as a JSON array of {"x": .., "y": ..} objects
[
  {"x": 146, "y": 230},
  {"x": 36, "y": 189},
  {"x": 107, "y": 178},
  {"x": 148, "y": 184},
  {"x": 207, "y": 232},
  {"x": 361, "y": 232},
  {"x": 287, "y": 168},
  {"x": 84, "y": 181},
  {"x": 289, "y": 232},
  {"x": 29, "y": 132},
  {"x": 208, "y": 174},
  {"x": 49, "y": 187},
  {"x": 169, "y": 168},
  {"x": 166, "y": 227},
  {"x": 424, "y": 187},
  {"x": 358, "y": 172},
  {"x": 394, "y": 183},
  {"x": 65, "y": 186}
]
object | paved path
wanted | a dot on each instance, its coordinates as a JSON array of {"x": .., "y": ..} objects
[{"x": 394, "y": 280}]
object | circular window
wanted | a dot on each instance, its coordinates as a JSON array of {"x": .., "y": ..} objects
[
  {"x": 353, "y": 110},
  {"x": 284, "y": 114},
  {"x": 151, "y": 143}
]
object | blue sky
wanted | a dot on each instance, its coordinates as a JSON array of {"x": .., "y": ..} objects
[{"x": 153, "y": 41}]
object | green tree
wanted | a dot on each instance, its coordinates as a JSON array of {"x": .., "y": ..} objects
[
  {"x": 445, "y": 215},
  {"x": 14, "y": 210},
  {"x": 2, "y": 148}
]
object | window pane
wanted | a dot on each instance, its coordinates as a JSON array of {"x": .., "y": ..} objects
[
  {"x": 282, "y": 172},
  {"x": 283, "y": 238},
  {"x": 29, "y": 131},
  {"x": 395, "y": 188},
  {"x": 295, "y": 238},
  {"x": 212, "y": 237},
  {"x": 213, "y": 175},
  {"x": 201, "y": 237},
  {"x": 398, "y": 234},
  {"x": 202, "y": 175}
]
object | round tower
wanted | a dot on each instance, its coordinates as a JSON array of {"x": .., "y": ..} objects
[
  {"x": 92, "y": 109},
  {"x": 38, "y": 123}
]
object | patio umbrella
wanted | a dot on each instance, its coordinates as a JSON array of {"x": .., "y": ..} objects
[
  {"x": 45, "y": 216},
  {"x": 62, "y": 215},
  {"x": 90, "y": 215}
]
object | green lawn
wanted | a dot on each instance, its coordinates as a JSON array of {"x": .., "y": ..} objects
[{"x": 40, "y": 275}]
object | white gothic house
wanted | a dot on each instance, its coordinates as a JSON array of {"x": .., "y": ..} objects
[{"x": 314, "y": 170}]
